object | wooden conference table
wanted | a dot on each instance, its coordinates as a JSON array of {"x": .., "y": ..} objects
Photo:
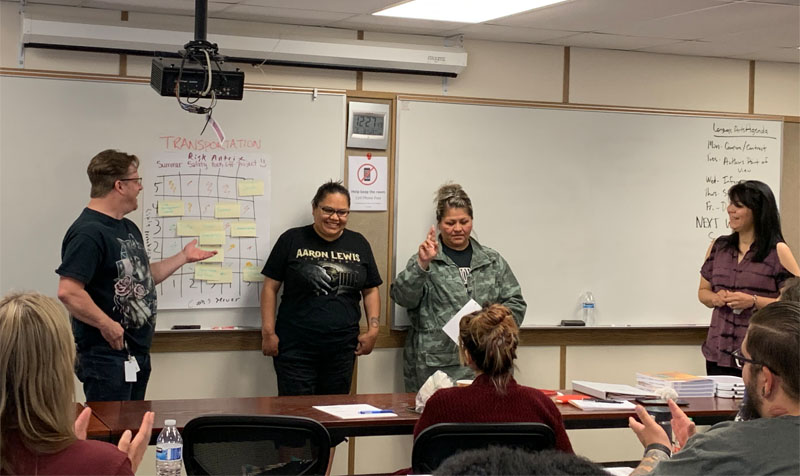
[{"x": 121, "y": 416}]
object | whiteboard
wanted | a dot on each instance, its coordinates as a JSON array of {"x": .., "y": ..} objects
[
  {"x": 620, "y": 204},
  {"x": 51, "y": 128}
]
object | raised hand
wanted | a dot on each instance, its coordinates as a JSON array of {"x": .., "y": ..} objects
[{"x": 428, "y": 249}]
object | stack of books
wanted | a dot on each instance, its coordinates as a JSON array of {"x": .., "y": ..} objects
[
  {"x": 728, "y": 386},
  {"x": 686, "y": 385}
]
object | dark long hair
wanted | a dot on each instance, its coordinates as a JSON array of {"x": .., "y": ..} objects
[{"x": 758, "y": 197}]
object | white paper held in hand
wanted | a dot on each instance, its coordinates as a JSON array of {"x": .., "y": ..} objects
[{"x": 451, "y": 328}]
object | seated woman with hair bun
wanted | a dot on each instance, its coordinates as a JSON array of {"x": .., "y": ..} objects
[{"x": 488, "y": 342}]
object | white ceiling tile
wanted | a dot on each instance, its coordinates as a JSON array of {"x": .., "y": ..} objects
[
  {"x": 699, "y": 48},
  {"x": 282, "y": 15},
  {"x": 781, "y": 36},
  {"x": 594, "y": 15},
  {"x": 611, "y": 42},
  {"x": 343, "y": 6},
  {"x": 178, "y": 7},
  {"x": 506, "y": 33},
  {"x": 399, "y": 25},
  {"x": 68, "y": 3},
  {"x": 715, "y": 21},
  {"x": 783, "y": 2}
]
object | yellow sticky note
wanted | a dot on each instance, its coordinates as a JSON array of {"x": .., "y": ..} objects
[
  {"x": 212, "y": 238},
  {"x": 170, "y": 208},
  {"x": 252, "y": 275},
  {"x": 250, "y": 187},
  {"x": 217, "y": 258},
  {"x": 243, "y": 228},
  {"x": 196, "y": 227},
  {"x": 225, "y": 276},
  {"x": 227, "y": 210},
  {"x": 207, "y": 272}
]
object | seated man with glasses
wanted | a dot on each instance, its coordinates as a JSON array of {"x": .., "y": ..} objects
[{"x": 769, "y": 359}]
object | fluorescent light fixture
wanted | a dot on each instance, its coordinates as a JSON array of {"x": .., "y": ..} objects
[{"x": 462, "y": 11}]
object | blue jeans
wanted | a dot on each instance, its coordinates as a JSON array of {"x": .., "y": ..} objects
[{"x": 102, "y": 373}]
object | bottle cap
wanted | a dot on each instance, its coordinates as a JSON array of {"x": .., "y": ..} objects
[{"x": 169, "y": 422}]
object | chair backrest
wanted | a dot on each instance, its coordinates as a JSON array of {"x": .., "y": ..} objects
[
  {"x": 255, "y": 445},
  {"x": 437, "y": 442}
]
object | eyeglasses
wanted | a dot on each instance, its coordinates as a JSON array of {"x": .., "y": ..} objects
[
  {"x": 328, "y": 211},
  {"x": 739, "y": 359},
  {"x": 137, "y": 179}
]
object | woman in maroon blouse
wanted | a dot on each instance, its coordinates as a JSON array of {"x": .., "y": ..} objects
[
  {"x": 40, "y": 434},
  {"x": 743, "y": 272},
  {"x": 488, "y": 344}
]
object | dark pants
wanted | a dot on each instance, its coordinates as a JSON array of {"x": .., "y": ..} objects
[
  {"x": 713, "y": 369},
  {"x": 102, "y": 372},
  {"x": 304, "y": 369}
]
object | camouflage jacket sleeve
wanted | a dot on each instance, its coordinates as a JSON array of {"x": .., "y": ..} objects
[
  {"x": 409, "y": 286},
  {"x": 511, "y": 292}
]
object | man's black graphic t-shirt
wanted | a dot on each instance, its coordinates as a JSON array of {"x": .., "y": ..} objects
[
  {"x": 322, "y": 284},
  {"x": 108, "y": 256}
]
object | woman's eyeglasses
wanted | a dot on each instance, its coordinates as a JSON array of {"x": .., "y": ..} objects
[{"x": 328, "y": 211}]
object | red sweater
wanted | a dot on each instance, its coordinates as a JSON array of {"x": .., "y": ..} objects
[
  {"x": 481, "y": 403},
  {"x": 82, "y": 458}
]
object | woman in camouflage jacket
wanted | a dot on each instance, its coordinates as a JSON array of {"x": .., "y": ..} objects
[{"x": 439, "y": 280}]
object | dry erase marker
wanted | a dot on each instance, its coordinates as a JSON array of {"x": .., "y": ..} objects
[{"x": 374, "y": 412}]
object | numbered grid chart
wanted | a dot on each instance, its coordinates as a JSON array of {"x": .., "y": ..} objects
[{"x": 224, "y": 214}]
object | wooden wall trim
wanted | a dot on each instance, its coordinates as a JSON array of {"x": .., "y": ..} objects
[
  {"x": 250, "y": 339},
  {"x": 565, "y": 78},
  {"x": 751, "y": 88}
]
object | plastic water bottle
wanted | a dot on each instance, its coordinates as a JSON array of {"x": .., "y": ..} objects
[
  {"x": 169, "y": 450},
  {"x": 587, "y": 308}
]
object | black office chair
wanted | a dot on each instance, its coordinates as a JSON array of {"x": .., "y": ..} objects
[
  {"x": 255, "y": 445},
  {"x": 442, "y": 440}
]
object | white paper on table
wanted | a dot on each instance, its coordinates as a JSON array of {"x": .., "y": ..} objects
[
  {"x": 349, "y": 412},
  {"x": 451, "y": 328}
]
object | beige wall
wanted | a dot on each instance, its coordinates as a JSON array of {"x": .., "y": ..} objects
[{"x": 496, "y": 70}]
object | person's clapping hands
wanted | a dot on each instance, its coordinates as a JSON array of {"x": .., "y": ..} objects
[{"x": 134, "y": 448}]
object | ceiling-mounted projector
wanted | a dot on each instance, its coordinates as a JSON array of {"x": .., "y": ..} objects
[{"x": 227, "y": 82}]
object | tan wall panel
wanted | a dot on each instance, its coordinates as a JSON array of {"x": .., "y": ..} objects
[
  {"x": 538, "y": 367},
  {"x": 777, "y": 89},
  {"x": 510, "y": 71},
  {"x": 619, "y": 364},
  {"x": 9, "y": 34},
  {"x": 381, "y": 371},
  {"x": 628, "y": 78},
  {"x": 790, "y": 187}
]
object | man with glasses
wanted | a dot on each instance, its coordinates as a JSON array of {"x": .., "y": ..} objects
[
  {"x": 770, "y": 363},
  {"x": 108, "y": 285}
]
